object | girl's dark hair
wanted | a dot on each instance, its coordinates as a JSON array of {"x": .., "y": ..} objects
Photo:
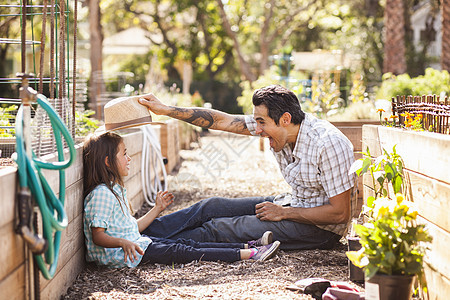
[
  {"x": 95, "y": 150},
  {"x": 279, "y": 100}
]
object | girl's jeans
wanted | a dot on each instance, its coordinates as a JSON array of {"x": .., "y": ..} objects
[
  {"x": 233, "y": 220},
  {"x": 165, "y": 251}
]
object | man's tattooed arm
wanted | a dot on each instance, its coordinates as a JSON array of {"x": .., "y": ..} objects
[{"x": 208, "y": 118}]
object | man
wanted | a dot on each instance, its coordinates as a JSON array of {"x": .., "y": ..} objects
[{"x": 314, "y": 158}]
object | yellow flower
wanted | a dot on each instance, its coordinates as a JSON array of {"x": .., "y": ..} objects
[
  {"x": 399, "y": 197},
  {"x": 412, "y": 208},
  {"x": 380, "y": 110},
  {"x": 393, "y": 117},
  {"x": 382, "y": 206}
]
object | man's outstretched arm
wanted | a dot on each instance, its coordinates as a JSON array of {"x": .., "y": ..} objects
[{"x": 203, "y": 117}]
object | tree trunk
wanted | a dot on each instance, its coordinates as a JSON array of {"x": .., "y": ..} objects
[
  {"x": 96, "y": 41},
  {"x": 394, "y": 46},
  {"x": 243, "y": 64},
  {"x": 445, "y": 53}
]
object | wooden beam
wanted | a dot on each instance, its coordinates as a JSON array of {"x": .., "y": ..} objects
[
  {"x": 12, "y": 249},
  {"x": 432, "y": 199},
  {"x": 438, "y": 284},
  {"x": 72, "y": 241},
  {"x": 66, "y": 276},
  {"x": 13, "y": 286},
  {"x": 425, "y": 150},
  {"x": 8, "y": 190},
  {"x": 437, "y": 256}
]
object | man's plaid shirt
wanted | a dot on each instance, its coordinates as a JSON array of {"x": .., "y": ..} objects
[{"x": 317, "y": 168}]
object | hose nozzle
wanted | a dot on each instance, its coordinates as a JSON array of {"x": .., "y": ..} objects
[{"x": 36, "y": 244}]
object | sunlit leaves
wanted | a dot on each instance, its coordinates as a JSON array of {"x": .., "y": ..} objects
[{"x": 392, "y": 243}]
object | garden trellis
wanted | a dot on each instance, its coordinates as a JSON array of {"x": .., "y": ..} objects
[
  {"x": 48, "y": 43},
  {"x": 435, "y": 112}
]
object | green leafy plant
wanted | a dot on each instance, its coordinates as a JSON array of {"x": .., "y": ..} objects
[
  {"x": 358, "y": 91},
  {"x": 84, "y": 124},
  {"x": 6, "y": 116},
  {"x": 385, "y": 169},
  {"x": 393, "y": 243},
  {"x": 432, "y": 82},
  {"x": 325, "y": 97},
  {"x": 270, "y": 76}
]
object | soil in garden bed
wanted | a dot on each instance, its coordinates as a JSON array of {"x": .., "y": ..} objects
[
  {"x": 229, "y": 166},
  {"x": 5, "y": 162}
]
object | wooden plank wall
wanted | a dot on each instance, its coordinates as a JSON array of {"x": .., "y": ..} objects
[
  {"x": 170, "y": 143},
  {"x": 13, "y": 282},
  {"x": 353, "y": 131},
  {"x": 427, "y": 172}
]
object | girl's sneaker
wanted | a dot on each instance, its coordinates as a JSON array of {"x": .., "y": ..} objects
[
  {"x": 266, "y": 252},
  {"x": 265, "y": 239}
]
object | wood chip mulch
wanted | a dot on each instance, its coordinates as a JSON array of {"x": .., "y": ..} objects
[{"x": 229, "y": 166}]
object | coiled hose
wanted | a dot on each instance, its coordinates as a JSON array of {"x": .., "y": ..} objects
[
  {"x": 152, "y": 161},
  {"x": 54, "y": 218}
]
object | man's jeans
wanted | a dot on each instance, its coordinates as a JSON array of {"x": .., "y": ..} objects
[{"x": 233, "y": 220}]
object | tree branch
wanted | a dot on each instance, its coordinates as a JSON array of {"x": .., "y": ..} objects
[{"x": 243, "y": 64}]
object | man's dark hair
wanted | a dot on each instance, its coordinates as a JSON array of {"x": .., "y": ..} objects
[{"x": 279, "y": 100}]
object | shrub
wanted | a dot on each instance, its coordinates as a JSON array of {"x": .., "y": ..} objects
[{"x": 433, "y": 82}]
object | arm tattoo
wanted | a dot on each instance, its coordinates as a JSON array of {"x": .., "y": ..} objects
[
  {"x": 199, "y": 117},
  {"x": 239, "y": 122},
  {"x": 210, "y": 119}
]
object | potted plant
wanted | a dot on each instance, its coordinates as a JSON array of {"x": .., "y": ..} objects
[
  {"x": 387, "y": 168},
  {"x": 393, "y": 243},
  {"x": 355, "y": 273}
]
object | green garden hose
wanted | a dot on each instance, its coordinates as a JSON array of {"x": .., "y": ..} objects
[{"x": 54, "y": 218}]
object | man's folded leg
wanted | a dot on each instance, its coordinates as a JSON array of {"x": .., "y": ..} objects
[
  {"x": 171, "y": 225},
  {"x": 292, "y": 235}
]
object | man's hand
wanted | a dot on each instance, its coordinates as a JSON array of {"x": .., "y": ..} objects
[
  {"x": 130, "y": 249},
  {"x": 268, "y": 211},
  {"x": 154, "y": 104},
  {"x": 163, "y": 200}
]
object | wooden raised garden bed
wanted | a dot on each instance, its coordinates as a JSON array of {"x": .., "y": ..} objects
[{"x": 427, "y": 173}]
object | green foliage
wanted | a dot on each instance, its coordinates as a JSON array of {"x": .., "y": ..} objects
[
  {"x": 325, "y": 97},
  {"x": 197, "y": 100},
  {"x": 385, "y": 169},
  {"x": 84, "y": 124},
  {"x": 358, "y": 90},
  {"x": 363, "y": 110},
  {"x": 393, "y": 243},
  {"x": 5, "y": 117},
  {"x": 268, "y": 78},
  {"x": 353, "y": 26},
  {"x": 180, "y": 31},
  {"x": 433, "y": 82}
]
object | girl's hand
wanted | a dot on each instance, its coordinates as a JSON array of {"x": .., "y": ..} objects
[
  {"x": 163, "y": 199},
  {"x": 130, "y": 249}
]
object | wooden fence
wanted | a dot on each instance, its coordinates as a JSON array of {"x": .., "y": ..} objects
[
  {"x": 435, "y": 111},
  {"x": 17, "y": 280}
]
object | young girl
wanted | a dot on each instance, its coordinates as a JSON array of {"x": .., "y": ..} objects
[{"x": 112, "y": 234}]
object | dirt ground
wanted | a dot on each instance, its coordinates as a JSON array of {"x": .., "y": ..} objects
[{"x": 219, "y": 165}]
